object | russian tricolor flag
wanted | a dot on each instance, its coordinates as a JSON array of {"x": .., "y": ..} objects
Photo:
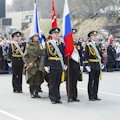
[
  {"x": 35, "y": 28},
  {"x": 67, "y": 31}
]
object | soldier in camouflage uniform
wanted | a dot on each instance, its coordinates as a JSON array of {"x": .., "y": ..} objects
[{"x": 34, "y": 60}]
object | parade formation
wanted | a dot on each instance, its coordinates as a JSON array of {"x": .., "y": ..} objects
[{"x": 57, "y": 59}]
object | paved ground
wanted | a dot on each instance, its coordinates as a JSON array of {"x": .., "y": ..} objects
[{"x": 15, "y": 106}]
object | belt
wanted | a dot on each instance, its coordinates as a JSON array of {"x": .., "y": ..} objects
[
  {"x": 85, "y": 61},
  {"x": 93, "y": 60},
  {"x": 54, "y": 58},
  {"x": 16, "y": 56}
]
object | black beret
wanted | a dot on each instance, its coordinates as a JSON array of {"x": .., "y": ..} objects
[
  {"x": 74, "y": 30},
  {"x": 92, "y": 33},
  {"x": 54, "y": 30},
  {"x": 16, "y": 33}
]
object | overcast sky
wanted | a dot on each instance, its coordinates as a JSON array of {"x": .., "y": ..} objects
[{"x": 9, "y": 2}]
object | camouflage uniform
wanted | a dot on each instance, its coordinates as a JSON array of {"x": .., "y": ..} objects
[{"x": 34, "y": 75}]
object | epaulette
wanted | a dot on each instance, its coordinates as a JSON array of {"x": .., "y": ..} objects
[{"x": 92, "y": 51}]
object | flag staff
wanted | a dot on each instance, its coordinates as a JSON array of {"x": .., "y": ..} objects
[
  {"x": 68, "y": 78},
  {"x": 69, "y": 43}
]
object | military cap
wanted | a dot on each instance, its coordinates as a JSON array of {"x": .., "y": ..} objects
[
  {"x": 16, "y": 33},
  {"x": 74, "y": 30},
  {"x": 34, "y": 34},
  {"x": 92, "y": 33},
  {"x": 54, "y": 30}
]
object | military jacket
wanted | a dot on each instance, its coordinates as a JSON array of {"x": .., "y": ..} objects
[
  {"x": 14, "y": 53},
  {"x": 80, "y": 50},
  {"x": 51, "y": 57},
  {"x": 91, "y": 57},
  {"x": 34, "y": 54}
]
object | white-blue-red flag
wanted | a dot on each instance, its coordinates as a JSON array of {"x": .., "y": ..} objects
[
  {"x": 67, "y": 31},
  {"x": 35, "y": 28}
]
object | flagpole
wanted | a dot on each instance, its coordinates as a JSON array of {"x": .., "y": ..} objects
[
  {"x": 69, "y": 44},
  {"x": 68, "y": 80}
]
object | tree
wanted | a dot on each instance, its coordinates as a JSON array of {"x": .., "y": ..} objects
[{"x": 78, "y": 8}]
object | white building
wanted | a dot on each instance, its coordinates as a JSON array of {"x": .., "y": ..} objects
[{"x": 20, "y": 18}]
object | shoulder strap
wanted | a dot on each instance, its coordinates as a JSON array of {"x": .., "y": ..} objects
[
  {"x": 97, "y": 53},
  {"x": 18, "y": 47},
  {"x": 59, "y": 53},
  {"x": 95, "y": 49}
]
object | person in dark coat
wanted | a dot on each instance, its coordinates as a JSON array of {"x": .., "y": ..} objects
[
  {"x": 17, "y": 61},
  {"x": 1, "y": 56},
  {"x": 111, "y": 55},
  {"x": 75, "y": 67},
  {"x": 53, "y": 65},
  {"x": 93, "y": 65}
]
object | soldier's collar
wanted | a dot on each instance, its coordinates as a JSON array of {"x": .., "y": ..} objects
[
  {"x": 53, "y": 40},
  {"x": 76, "y": 41},
  {"x": 93, "y": 42},
  {"x": 56, "y": 41}
]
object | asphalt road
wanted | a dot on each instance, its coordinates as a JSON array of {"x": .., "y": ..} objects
[{"x": 14, "y": 106}]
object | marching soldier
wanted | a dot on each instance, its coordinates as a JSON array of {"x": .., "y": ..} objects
[
  {"x": 16, "y": 48},
  {"x": 54, "y": 65},
  {"x": 34, "y": 60},
  {"x": 93, "y": 65},
  {"x": 75, "y": 67}
]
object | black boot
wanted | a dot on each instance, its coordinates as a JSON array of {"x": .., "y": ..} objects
[
  {"x": 40, "y": 90},
  {"x": 32, "y": 92},
  {"x": 36, "y": 91},
  {"x": 37, "y": 95}
]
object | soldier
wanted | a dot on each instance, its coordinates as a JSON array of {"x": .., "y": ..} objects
[
  {"x": 16, "y": 48},
  {"x": 34, "y": 60},
  {"x": 54, "y": 65},
  {"x": 75, "y": 67},
  {"x": 93, "y": 65}
]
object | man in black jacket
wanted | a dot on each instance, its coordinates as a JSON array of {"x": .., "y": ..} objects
[
  {"x": 17, "y": 61},
  {"x": 111, "y": 55},
  {"x": 93, "y": 65},
  {"x": 75, "y": 65},
  {"x": 53, "y": 65}
]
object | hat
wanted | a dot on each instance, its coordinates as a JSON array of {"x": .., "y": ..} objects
[
  {"x": 54, "y": 30},
  {"x": 74, "y": 30},
  {"x": 16, "y": 33},
  {"x": 34, "y": 34},
  {"x": 92, "y": 33}
]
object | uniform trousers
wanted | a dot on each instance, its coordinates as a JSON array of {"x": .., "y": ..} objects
[{"x": 93, "y": 84}]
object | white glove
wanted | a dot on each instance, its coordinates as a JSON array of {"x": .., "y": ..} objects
[
  {"x": 47, "y": 69},
  {"x": 102, "y": 66},
  {"x": 10, "y": 64},
  {"x": 88, "y": 68},
  {"x": 81, "y": 68},
  {"x": 65, "y": 66}
]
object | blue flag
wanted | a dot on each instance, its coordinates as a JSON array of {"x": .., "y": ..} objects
[{"x": 35, "y": 28}]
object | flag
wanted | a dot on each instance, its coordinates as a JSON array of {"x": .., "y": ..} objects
[
  {"x": 67, "y": 31},
  {"x": 54, "y": 19},
  {"x": 35, "y": 28}
]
